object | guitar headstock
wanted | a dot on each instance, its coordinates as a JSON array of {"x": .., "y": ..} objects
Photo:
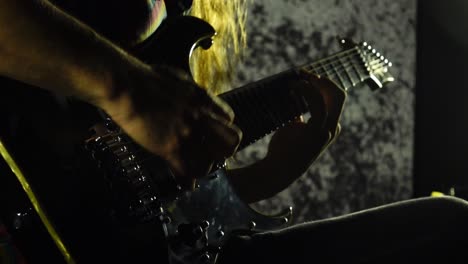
[
  {"x": 376, "y": 65},
  {"x": 372, "y": 63}
]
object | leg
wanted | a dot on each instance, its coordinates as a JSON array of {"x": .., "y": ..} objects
[{"x": 413, "y": 231}]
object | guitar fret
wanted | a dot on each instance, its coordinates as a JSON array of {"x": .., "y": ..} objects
[
  {"x": 346, "y": 70},
  {"x": 271, "y": 116},
  {"x": 242, "y": 117},
  {"x": 356, "y": 67},
  {"x": 362, "y": 69},
  {"x": 272, "y": 106},
  {"x": 284, "y": 108},
  {"x": 298, "y": 103},
  {"x": 243, "y": 107},
  {"x": 254, "y": 117},
  {"x": 338, "y": 78},
  {"x": 313, "y": 68},
  {"x": 261, "y": 107},
  {"x": 262, "y": 110},
  {"x": 267, "y": 118},
  {"x": 354, "y": 72},
  {"x": 324, "y": 67}
]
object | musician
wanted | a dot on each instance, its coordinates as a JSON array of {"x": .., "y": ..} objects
[{"x": 82, "y": 49}]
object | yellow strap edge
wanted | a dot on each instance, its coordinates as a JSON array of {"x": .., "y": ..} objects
[{"x": 32, "y": 197}]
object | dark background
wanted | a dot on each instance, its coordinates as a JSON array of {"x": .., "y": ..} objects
[{"x": 441, "y": 142}]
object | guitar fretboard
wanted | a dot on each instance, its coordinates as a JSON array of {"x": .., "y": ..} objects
[
  {"x": 346, "y": 68},
  {"x": 264, "y": 106}
]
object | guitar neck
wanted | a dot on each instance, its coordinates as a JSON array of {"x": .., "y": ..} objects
[
  {"x": 346, "y": 68},
  {"x": 264, "y": 106}
]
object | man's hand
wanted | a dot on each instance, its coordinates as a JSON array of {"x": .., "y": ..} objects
[
  {"x": 299, "y": 144},
  {"x": 165, "y": 112},
  {"x": 296, "y": 146}
]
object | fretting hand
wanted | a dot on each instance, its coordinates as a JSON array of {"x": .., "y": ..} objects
[
  {"x": 299, "y": 144},
  {"x": 296, "y": 146}
]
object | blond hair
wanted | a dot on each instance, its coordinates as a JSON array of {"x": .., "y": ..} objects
[{"x": 215, "y": 68}]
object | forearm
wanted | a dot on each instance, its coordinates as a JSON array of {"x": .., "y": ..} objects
[
  {"x": 262, "y": 180},
  {"x": 247, "y": 182},
  {"x": 43, "y": 46}
]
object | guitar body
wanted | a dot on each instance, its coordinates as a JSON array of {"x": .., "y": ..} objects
[
  {"x": 112, "y": 202},
  {"x": 105, "y": 204}
]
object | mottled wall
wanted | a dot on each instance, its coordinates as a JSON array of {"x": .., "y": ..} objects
[{"x": 371, "y": 162}]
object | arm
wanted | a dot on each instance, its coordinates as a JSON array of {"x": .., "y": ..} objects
[
  {"x": 298, "y": 146},
  {"x": 43, "y": 46},
  {"x": 164, "y": 112}
]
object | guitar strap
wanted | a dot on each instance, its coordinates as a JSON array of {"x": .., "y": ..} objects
[{"x": 35, "y": 202}]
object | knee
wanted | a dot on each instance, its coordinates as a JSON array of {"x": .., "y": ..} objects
[{"x": 449, "y": 206}]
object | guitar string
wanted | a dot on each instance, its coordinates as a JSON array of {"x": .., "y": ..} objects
[
  {"x": 376, "y": 64},
  {"x": 350, "y": 59},
  {"x": 318, "y": 71},
  {"x": 354, "y": 51},
  {"x": 337, "y": 71},
  {"x": 137, "y": 149},
  {"x": 343, "y": 67},
  {"x": 147, "y": 156},
  {"x": 350, "y": 53}
]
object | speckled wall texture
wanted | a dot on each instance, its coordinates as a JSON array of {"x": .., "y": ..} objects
[{"x": 371, "y": 162}]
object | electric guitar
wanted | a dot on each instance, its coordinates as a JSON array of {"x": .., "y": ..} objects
[{"x": 101, "y": 197}]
